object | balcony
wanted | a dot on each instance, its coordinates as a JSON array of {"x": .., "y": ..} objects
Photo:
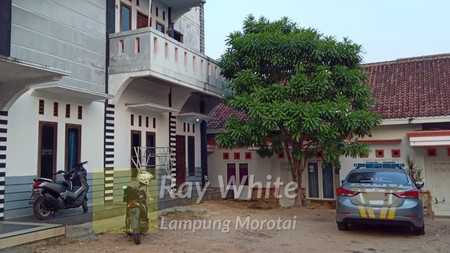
[{"x": 148, "y": 52}]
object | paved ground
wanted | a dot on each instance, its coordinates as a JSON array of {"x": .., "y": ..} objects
[{"x": 305, "y": 230}]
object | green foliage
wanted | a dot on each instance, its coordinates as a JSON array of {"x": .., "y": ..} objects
[
  {"x": 414, "y": 171},
  {"x": 305, "y": 89}
]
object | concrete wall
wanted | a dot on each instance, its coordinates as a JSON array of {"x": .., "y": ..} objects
[
  {"x": 22, "y": 152},
  {"x": 387, "y": 133},
  {"x": 63, "y": 35},
  {"x": 189, "y": 26},
  {"x": 259, "y": 168}
]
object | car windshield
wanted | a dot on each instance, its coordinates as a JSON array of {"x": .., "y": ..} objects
[{"x": 378, "y": 177}]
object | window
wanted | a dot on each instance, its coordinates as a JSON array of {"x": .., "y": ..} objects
[
  {"x": 132, "y": 120},
  {"x": 379, "y": 153},
  {"x": 125, "y": 18},
  {"x": 191, "y": 155},
  {"x": 160, "y": 27},
  {"x": 237, "y": 156},
  {"x": 164, "y": 15},
  {"x": 140, "y": 120},
  {"x": 391, "y": 177},
  {"x": 157, "y": 11},
  {"x": 67, "y": 111},
  {"x": 141, "y": 20},
  {"x": 431, "y": 152},
  {"x": 55, "y": 109},
  {"x": 73, "y": 145},
  {"x": 237, "y": 174},
  {"x": 395, "y": 153},
  {"x": 80, "y": 112},
  {"x": 226, "y": 156},
  {"x": 41, "y": 106}
]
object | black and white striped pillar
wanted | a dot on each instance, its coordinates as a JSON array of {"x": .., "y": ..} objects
[
  {"x": 3, "y": 145},
  {"x": 109, "y": 154}
]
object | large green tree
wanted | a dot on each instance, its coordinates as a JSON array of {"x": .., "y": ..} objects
[{"x": 305, "y": 90}]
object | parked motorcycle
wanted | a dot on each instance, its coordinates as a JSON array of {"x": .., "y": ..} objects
[
  {"x": 48, "y": 197},
  {"x": 136, "y": 216}
]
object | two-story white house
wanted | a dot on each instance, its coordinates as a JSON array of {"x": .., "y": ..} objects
[{"x": 91, "y": 80}]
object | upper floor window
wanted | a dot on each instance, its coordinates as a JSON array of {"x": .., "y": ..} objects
[
  {"x": 142, "y": 20},
  {"x": 125, "y": 18},
  {"x": 160, "y": 27}
]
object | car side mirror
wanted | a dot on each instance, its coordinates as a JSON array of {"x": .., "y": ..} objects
[
  {"x": 342, "y": 182},
  {"x": 420, "y": 184}
]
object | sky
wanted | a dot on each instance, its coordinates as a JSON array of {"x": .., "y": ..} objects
[{"x": 387, "y": 29}]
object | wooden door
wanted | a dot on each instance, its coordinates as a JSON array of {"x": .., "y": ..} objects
[{"x": 180, "y": 159}]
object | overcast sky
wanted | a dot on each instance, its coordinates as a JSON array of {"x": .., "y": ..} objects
[{"x": 387, "y": 29}]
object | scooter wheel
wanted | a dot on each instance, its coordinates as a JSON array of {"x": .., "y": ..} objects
[
  {"x": 41, "y": 211},
  {"x": 137, "y": 236}
]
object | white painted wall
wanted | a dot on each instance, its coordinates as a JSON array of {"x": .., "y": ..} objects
[
  {"x": 23, "y": 139},
  {"x": 139, "y": 94},
  {"x": 258, "y": 167},
  {"x": 387, "y": 133}
]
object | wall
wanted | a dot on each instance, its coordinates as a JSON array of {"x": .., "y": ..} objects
[
  {"x": 63, "y": 35},
  {"x": 259, "y": 168},
  {"x": 387, "y": 133},
  {"x": 189, "y": 26},
  {"x": 23, "y": 139}
]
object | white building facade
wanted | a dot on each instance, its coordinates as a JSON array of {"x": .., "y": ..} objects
[{"x": 91, "y": 81}]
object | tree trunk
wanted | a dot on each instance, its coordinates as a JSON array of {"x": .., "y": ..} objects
[{"x": 298, "y": 168}]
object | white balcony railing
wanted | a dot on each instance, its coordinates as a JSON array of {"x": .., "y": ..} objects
[{"x": 150, "y": 52}]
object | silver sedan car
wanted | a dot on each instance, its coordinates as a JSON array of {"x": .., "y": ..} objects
[{"x": 380, "y": 194}]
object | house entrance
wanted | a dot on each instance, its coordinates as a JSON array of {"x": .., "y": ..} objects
[
  {"x": 320, "y": 181},
  {"x": 440, "y": 188},
  {"x": 47, "y": 149},
  {"x": 180, "y": 159}
]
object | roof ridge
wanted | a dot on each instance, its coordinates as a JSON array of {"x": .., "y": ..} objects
[{"x": 409, "y": 59}]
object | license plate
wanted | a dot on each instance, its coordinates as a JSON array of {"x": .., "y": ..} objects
[
  {"x": 375, "y": 195},
  {"x": 34, "y": 195}
]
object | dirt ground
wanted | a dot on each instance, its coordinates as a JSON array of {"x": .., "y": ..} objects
[{"x": 315, "y": 231}]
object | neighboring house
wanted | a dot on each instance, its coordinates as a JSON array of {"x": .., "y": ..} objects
[
  {"x": 91, "y": 80},
  {"x": 412, "y": 97}
]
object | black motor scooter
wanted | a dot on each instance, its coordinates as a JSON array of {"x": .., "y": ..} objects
[{"x": 48, "y": 196}]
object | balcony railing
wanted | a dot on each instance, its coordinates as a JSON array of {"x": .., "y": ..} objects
[{"x": 149, "y": 52}]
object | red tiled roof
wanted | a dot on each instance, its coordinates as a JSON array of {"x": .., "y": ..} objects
[
  {"x": 411, "y": 87},
  {"x": 221, "y": 114},
  {"x": 404, "y": 88}
]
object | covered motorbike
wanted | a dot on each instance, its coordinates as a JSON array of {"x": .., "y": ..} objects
[
  {"x": 48, "y": 197},
  {"x": 136, "y": 216}
]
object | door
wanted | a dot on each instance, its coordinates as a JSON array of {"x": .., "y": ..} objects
[
  {"x": 320, "y": 181},
  {"x": 47, "y": 149},
  {"x": 191, "y": 155},
  {"x": 150, "y": 143},
  {"x": 180, "y": 159},
  {"x": 73, "y": 145},
  {"x": 313, "y": 180},
  {"x": 135, "y": 156},
  {"x": 440, "y": 187}
]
